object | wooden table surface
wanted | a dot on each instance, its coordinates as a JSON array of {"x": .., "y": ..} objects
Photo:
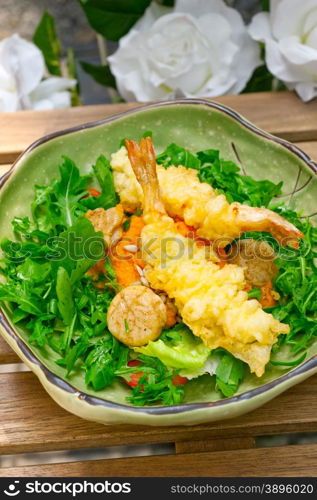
[{"x": 30, "y": 421}]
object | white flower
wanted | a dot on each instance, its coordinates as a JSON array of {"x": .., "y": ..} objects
[
  {"x": 21, "y": 71},
  {"x": 289, "y": 32},
  {"x": 200, "y": 48}
]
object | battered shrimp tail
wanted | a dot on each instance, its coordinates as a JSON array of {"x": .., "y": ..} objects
[
  {"x": 262, "y": 219},
  {"x": 142, "y": 158}
]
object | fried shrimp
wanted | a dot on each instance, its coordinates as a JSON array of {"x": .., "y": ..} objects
[
  {"x": 211, "y": 300},
  {"x": 213, "y": 216},
  {"x": 109, "y": 222},
  {"x": 136, "y": 316}
]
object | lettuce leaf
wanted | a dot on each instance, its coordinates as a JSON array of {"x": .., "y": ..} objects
[{"x": 178, "y": 348}]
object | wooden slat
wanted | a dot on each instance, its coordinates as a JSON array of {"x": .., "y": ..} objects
[
  {"x": 7, "y": 355},
  {"x": 18, "y": 130},
  {"x": 217, "y": 444},
  {"x": 286, "y": 461},
  {"x": 281, "y": 113},
  {"x": 31, "y": 421}
]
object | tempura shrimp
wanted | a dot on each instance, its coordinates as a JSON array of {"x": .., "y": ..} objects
[
  {"x": 109, "y": 222},
  {"x": 211, "y": 300},
  {"x": 200, "y": 206}
]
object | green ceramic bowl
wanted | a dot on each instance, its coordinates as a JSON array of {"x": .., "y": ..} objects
[{"x": 197, "y": 125}]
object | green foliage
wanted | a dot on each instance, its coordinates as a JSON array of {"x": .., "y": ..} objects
[
  {"x": 155, "y": 385},
  {"x": 108, "y": 198},
  {"x": 175, "y": 155},
  {"x": 260, "y": 81},
  {"x": 107, "y": 356},
  {"x": 103, "y": 173},
  {"x": 266, "y": 5},
  {"x": 255, "y": 293},
  {"x": 225, "y": 176},
  {"x": 229, "y": 374},
  {"x": 57, "y": 205},
  {"x": 78, "y": 248},
  {"x": 222, "y": 175},
  {"x": 101, "y": 74},
  {"x": 296, "y": 282},
  {"x": 23, "y": 295},
  {"x": 178, "y": 348},
  {"x": 72, "y": 73},
  {"x": 45, "y": 270},
  {"x": 167, "y": 3},
  {"x": 113, "y": 19},
  {"x": 53, "y": 298},
  {"x": 69, "y": 190},
  {"x": 65, "y": 296},
  {"x": 45, "y": 37}
]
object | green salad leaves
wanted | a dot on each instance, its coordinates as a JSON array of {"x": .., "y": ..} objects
[
  {"x": 49, "y": 292},
  {"x": 225, "y": 176},
  {"x": 178, "y": 348}
]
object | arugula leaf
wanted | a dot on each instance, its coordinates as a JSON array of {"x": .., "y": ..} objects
[
  {"x": 56, "y": 206},
  {"x": 64, "y": 294},
  {"x": 100, "y": 365},
  {"x": 229, "y": 373},
  {"x": 108, "y": 198},
  {"x": 155, "y": 385},
  {"x": 225, "y": 177},
  {"x": 78, "y": 248},
  {"x": 44, "y": 210},
  {"x": 173, "y": 335},
  {"x": 296, "y": 283},
  {"x": 68, "y": 334},
  {"x": 40, "y": 330},
  {"x": 45, "y": 270},
  {"x": 296, "y": 362},
  {"x": 92, "y": 306},
  {"x": 76, "y": 352},
  {"x": 146, "y": 133},
  {"x": 22, "y": 226},
  {"x": 103, "y": 172},
  {"x": 69, "y": 190},
  {"x": 31, "y": 270},
  {"x": 22, "y": 295},
  {"x": 255, "y": 293},
  {"x": 175, "y": 155}
]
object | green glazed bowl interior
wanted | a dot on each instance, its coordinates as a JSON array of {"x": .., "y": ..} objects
[{"x": 196, "y": 125}]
